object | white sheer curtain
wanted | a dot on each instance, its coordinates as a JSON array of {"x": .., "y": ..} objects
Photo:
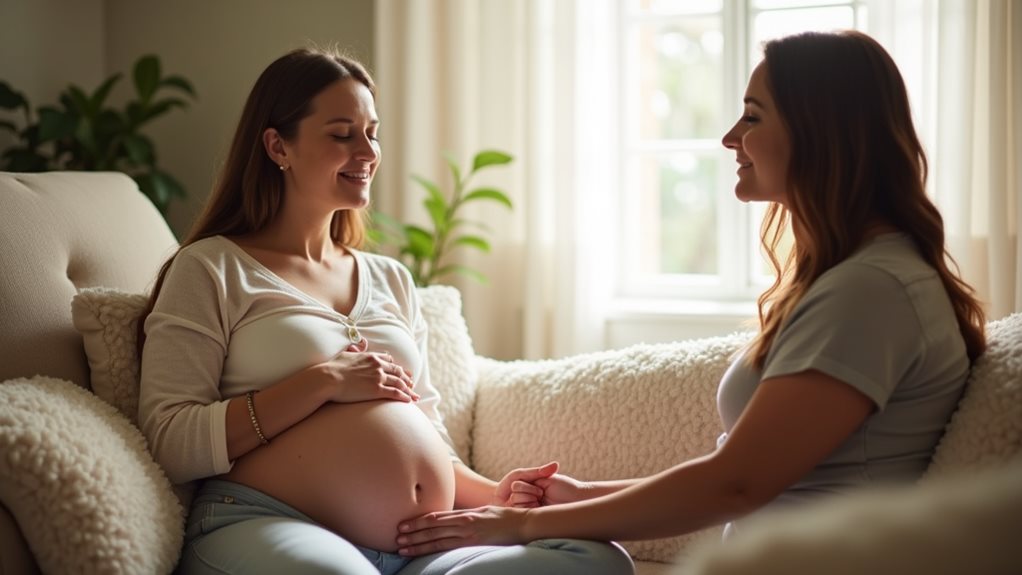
[
  {"x": 962, "y": 60},
  {"x": 978, "y": 161},
  {"x": 469, "y": 75}
]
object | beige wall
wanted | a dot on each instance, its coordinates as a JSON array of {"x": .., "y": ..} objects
[
  {"x": 47, "y": 44},
  {"x": 221, "y": 46}
]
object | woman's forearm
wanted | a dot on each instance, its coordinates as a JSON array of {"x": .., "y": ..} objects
[
  {"x": 682, "y": 499},
  {"x": 595, "y": 489},
  {"x": 471, "y": 489},
  {"x": 277, "y": 408}
]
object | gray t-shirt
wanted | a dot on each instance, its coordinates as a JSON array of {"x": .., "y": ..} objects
[{"x": 881, "y": 322}]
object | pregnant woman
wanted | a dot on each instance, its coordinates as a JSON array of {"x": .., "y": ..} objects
[{"x": 287, "y": 370}]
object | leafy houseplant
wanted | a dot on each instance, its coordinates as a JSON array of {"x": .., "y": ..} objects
[
  {"x": 83, "y": 133},
  {"x": 423, "y": 250}
]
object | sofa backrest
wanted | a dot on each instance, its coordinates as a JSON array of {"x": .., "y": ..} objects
[{"x": 60, "y": 232}]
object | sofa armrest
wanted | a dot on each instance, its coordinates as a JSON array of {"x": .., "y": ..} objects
[
  {"x": 604, "y": 415},
  {"x": 81, "y": 484}
]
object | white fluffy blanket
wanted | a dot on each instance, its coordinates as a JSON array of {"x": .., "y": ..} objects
[{"x": 77, "y": 477}]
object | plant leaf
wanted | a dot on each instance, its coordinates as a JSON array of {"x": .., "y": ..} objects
[
  {"x": 490, "y": 158},
  {"x": 420, "y": 242},
  {"x": 382, "y": 219},
  {"x": 437, "y": 212},
  {"x": 25, "y": 160},
  {"x": 452, "y": 163},
  {"x": 473, "y": 241},
  {"x": 160, "y": 108},
  {"x": 10, "y": 98},
  {"x": 101, "y": 93},
  {"x": 139, "y": 148},
  {"x": 432, "y": 189},
  {"x": 489, "y": 194},
  {"x": 460, "y": 269},
  {"x": 179, "y": 83},
  {"x": 55, "y": 124},
  {"x": 146, "y": 76},
  {"x": 79, "y": 102}
]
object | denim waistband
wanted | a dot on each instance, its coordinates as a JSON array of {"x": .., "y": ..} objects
[{"x": 216, "y": 490}]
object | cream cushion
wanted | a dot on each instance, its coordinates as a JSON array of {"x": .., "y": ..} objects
[
  {"x": 605, "y": 415},
  {"x": 78, "y": 478}
]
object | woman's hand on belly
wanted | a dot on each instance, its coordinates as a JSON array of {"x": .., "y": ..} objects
[
  {"x": 357, "y": 469},
  {"x": 355, "y": 376}
]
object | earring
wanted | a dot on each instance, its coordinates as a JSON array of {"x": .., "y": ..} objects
[{"x": 283, "y": 168}]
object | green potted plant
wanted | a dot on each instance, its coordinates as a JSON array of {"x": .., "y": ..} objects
[
  {"x": 84, "y": 133},
  {"x": 424, "y": 250}
]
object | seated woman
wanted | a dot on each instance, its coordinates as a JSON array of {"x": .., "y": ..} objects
[
  {"x": 866, "y": 336},
  {"x": 288, "y": 369}
]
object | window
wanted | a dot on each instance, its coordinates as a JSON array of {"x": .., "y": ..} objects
[{"x": 683, "y": 66}]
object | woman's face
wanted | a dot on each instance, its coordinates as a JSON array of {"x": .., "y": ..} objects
[
  {"x": 334, "y": 155},
  {"x": 761, "y": 144}
]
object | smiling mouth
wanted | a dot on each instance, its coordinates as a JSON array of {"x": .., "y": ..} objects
[{"x": 356, "y": 176}]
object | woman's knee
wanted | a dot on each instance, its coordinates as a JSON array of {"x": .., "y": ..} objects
[
  {"x": 593, "y": 557},
  {"x": 273, "y": 545}
]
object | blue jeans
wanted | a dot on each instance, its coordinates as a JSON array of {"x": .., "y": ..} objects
[{"x": 238, "y": 530}]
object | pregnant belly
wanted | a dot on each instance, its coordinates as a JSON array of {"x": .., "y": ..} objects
[{"x": 357, "y": 469}]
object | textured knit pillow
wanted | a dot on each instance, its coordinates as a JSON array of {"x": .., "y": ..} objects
[
  {"x": 987, "y": 428},
  {"x": 78, "y": 479},
  {"x": 107, "y": 319},
  {"x": 451, "y": 363},
  {"x": 612, "y": 414}
]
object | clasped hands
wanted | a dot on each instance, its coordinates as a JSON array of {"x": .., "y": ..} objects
[
  {"x": 500, "y": 523},
  {"x": 362, "y": 375}
]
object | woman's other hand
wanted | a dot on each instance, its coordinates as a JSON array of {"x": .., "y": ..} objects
[
  {"x": 562, "y": 489},
  {"x": 359, "y": 375},
  {"x": 444, "y": 530},
  {"x": 518, "y": 489}
]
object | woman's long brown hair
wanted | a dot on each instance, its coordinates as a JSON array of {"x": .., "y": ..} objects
[
  {"x": 855, "y": 160},
  {"x": 250, "y": 189}
]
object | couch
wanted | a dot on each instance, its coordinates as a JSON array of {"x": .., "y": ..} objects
[{"x": 80, "y": 493}]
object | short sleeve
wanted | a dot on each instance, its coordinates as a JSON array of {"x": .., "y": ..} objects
[{"x": 857, "y": 325}]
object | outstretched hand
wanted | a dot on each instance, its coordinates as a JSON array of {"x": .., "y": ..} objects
[
  {"x": 444, "y": 530},
  {"x": 518, "y": 488},
  {"x": 361, "y": 375}
]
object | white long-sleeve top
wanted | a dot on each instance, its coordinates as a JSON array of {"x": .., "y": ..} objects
[{"x": 224, "y": 324}]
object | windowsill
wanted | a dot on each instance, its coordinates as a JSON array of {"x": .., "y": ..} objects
[
  {"x": 634, "y": 321},
  {"x": 674, "y": 309}
]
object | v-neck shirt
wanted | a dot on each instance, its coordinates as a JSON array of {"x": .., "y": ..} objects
[{"x": 225, "y": 324}]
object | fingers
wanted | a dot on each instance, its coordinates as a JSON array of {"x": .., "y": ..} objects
[
  {"x": 397, "y": 390},
  {"x": 535, "y": 473},
  {"x": 526, "y": 488}
]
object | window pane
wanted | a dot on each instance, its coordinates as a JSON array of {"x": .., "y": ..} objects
[
  {"x": 677, "y": 92},
  {"x": 677, "y": 213},
  {"x": 778, "y": 23},
  {"x": 771, "y": 4},
  {"x": 679, "y": 6}
]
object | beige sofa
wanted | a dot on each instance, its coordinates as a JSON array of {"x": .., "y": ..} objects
[{"x": 79, "y": 492}]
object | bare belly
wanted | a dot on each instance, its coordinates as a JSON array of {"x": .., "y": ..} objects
[{"x": 357, "y": 469}]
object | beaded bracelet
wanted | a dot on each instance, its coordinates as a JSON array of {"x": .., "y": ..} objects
[{"x": 252, "y": 416}]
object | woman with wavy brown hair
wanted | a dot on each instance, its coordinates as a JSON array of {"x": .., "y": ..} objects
[
  {"x": 866, "y": 337},
  {"x": 284, "y": 371}
]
